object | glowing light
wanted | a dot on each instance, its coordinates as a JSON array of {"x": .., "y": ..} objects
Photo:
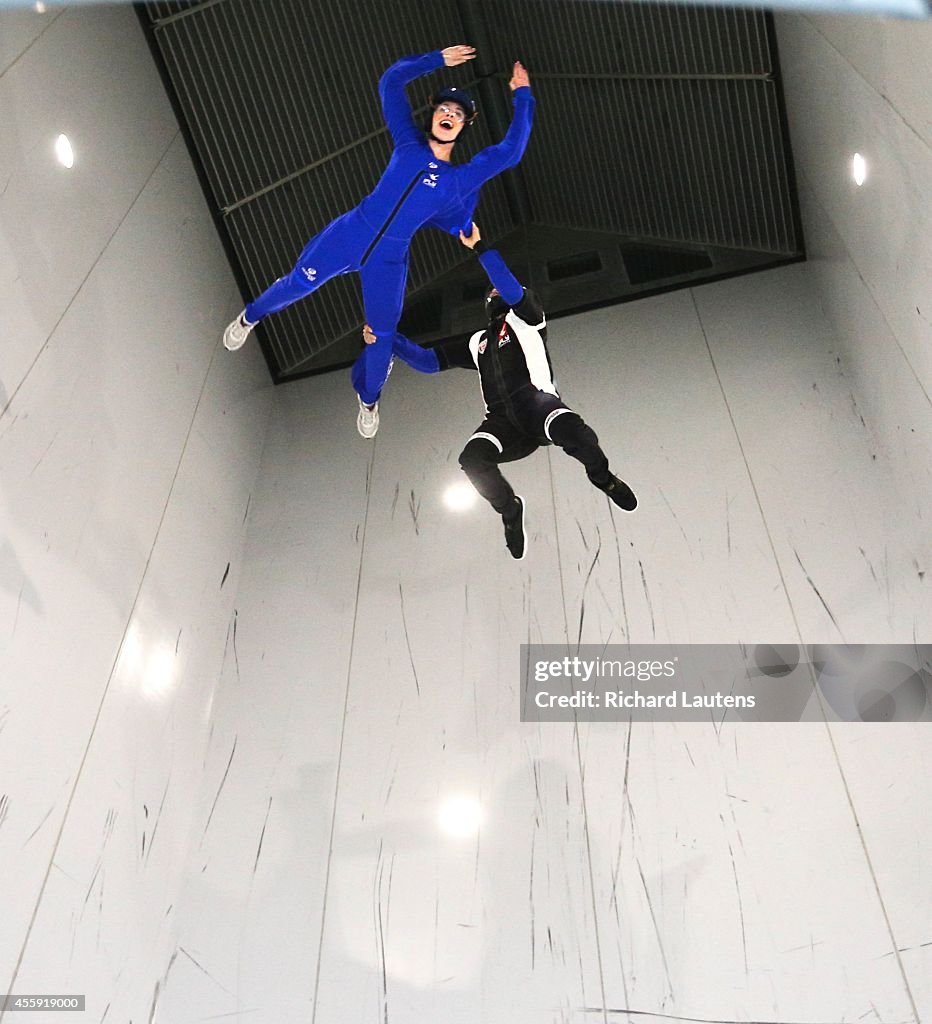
[
  {"x": 63, "y": 151},
  {"x": 159, "y": 674},
  {"x": 460, "y": 496},
  {"x": 859, "y": 169},
  {"x": 40, "y": 7},
  {"x": 148, "y": 669},
  {"x": 460, "y": 816},
  {"x": 132, "y": 655}
]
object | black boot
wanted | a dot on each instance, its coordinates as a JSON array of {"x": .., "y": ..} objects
[
  {"x": 515, "y": 537},
  {"x": 620, "y": 493}
]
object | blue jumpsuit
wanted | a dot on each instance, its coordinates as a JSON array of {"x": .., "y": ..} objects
[{"x": 415, "y": 190}]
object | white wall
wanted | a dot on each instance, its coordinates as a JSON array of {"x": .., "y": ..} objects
[
  {"x": 129, "y": 444},
  {"x": 741, "y": 873},
  {"x": 861, "y": 84}
]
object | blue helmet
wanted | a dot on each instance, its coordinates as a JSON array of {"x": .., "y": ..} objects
[{"x": 453, "y": 94}]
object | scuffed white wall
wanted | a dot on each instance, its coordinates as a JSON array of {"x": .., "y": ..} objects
[
  {"x": 129, "y": 443},
  {"x": 862, "y": 85},
  {"x": 703, "y": 871}
]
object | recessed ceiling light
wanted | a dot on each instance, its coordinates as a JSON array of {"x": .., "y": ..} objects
[
  {"x": 63, "y": 151},
  {"x": 159, "y": 675},
  {"x": 859, "y": 169},
  {"x": 460, "y": 496},
  {"x": 460, "y": 816}
]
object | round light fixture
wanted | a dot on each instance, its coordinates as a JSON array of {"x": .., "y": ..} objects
[
  {"x": 460, "y": 496},
  {"x": 460, "y": 816},
  {"x": 63, "y": 151},
  {"x": 859, "y": 169}
]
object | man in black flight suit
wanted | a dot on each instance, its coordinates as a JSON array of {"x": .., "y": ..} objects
[{"x": 523, "y": 408}]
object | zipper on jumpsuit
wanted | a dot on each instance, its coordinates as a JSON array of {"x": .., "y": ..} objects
[
  {"x": 375, "y": 241},
  {"x": 509, "y": 408}
]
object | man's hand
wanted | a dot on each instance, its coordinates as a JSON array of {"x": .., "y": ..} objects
[
  {"x": 454, "y": 55},
  {"x": 470, "y": 240},
  {"x": 519, "y": 76},
  {"x": 368, "y": 336}
]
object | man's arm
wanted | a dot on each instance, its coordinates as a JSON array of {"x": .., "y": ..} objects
[
  {"x": 445, "y": 356},
  {"x": 523, "y": 302},
  {"x": 395, "y": 107},
  {"x": 509, "y": 287},
  {"x": 454, "y": 353},
  {"x": 495, "y": 159}
]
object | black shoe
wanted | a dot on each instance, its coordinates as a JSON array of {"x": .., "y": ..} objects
[
  {"x": 515, "y": 537},
  {"x": 620, "y": 493}
]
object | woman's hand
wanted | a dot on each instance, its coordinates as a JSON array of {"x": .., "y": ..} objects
[
  {"x": 454, "y": 55},
  {"x": 519, "y": 76}
]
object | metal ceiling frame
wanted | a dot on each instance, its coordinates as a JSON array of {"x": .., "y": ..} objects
[{"x": 514, "y": 191}]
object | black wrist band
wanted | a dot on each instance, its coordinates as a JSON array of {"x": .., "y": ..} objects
[{"x": 480, "y": 247}]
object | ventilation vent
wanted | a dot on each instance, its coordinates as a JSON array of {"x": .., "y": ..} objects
[
  {"x": 645, "y": 263},
  {"x": 574, "y": 266}
]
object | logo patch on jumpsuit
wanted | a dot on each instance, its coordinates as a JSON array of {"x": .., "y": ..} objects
[{"x": 503, "y": 337}]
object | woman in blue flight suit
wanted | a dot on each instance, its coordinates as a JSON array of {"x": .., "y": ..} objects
[{"x": 419, "y": 187}]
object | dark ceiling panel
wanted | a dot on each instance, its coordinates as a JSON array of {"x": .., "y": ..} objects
[
  {"x": 687, "y": 160},
  {"x": 582, "y": 37},
  {"x": 162, "y": 9},
  {"x": 657, "y": 124}
]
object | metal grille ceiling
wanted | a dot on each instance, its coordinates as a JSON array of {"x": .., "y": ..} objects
[{"x": 655, "y": 122}]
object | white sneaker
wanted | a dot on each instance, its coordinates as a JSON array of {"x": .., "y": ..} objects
[
  {"x": 235, "y": 335},
  {"x": 367, "y": 422}
]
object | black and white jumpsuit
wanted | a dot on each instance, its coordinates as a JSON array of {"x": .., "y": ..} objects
[{"x": 523, "y": 407}]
